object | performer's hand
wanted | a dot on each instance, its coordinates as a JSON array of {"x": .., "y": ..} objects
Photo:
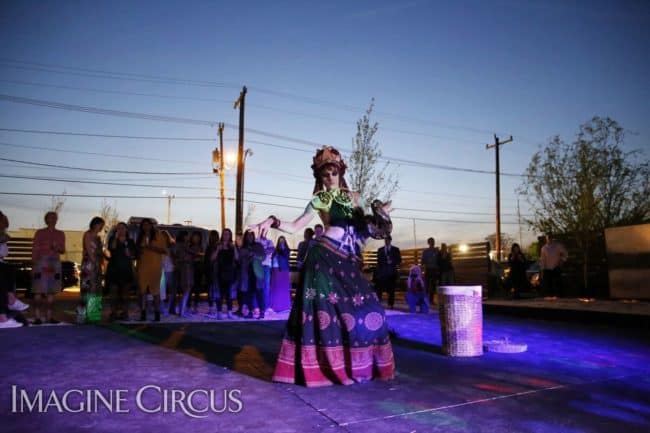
[
  {"x": 261, "y": 229},
  {"x": 387, "y": 207}
]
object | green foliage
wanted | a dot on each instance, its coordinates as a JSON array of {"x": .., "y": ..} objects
[
  {"x": 588, "y": 185},
  {"x": 367, "y": 176},
  {"x": 532, "y": 251},
  {"x": 583, "y": 187}
]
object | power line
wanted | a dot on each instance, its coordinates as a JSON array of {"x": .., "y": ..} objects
[
  {"x": 275, "y": 173},
  {"x": 116, "y": 92},
  {"x": 93, "y": 182},
  {"x": 209, "y": 176},
  {"x": 263, "y": 107},
  {"x": 123, "y": 179},
  {"x": 451, "y": 212},
  {"x": 110, "y": 155},
  {"x": 98, "y": 182},
  {"x": 317, "y": 101},
  {"x": 101, "y": 170},
  {"x": 71, "y": 107},
  {"x": 124, "y": 76},
  {"x": 139, "y": 185},
  {"x": 98, "y": 73},
  {"x": 34, "y": 194},
  {"x": 86, "y": 134},
  {"x": 104, "y": 111},
  {"x": 229, "y": 199}
]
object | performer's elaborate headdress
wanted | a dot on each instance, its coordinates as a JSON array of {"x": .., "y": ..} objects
[{"x": 327, "y": 155}]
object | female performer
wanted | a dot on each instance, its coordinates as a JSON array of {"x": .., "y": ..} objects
[{"x": 337, "y": 331}]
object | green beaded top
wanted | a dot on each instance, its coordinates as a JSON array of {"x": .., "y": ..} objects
[{"x": 336, "y": 202}]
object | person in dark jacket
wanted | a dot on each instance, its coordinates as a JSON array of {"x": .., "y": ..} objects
[{"x": 389, "y": 258}]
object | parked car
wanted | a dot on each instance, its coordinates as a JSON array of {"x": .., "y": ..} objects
[
  {"x": 69, "y": 271},
  {"x": 533, "y": 275},
  {"x": 71, "y": 274}
]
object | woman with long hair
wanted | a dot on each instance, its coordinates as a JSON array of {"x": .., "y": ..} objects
[
  {"x": 246, "y": 276},
  {"x": 91, "y": 273},
  {"x": 119, "y": 272},
  {"x": 445, "y": 265},
  {"x": 337, "y": 330},
  {"x": 517, "y": 277},
  {"x": 227, "y": 259},
  {"x": 196, "y": 253},
  {"x": 183, "y": 266},
  {"x": 211, "y": 270},
  {"x": 281, "y": 277},
  {"x": 152, "y": 245}
]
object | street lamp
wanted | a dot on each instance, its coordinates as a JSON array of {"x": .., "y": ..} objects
[{"x": 230, "y": 160}]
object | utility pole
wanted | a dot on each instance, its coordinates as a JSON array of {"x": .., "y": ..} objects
[
  {"x": 519, "y": 222},
  {"x": 415, "y": 244},
  {"x": 496, "y": 145},
  {"x": 239, "y": 195},
  {"x": 222, "y": 176}
]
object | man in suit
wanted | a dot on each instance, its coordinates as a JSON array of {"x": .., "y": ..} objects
[{"x": 388, "y": 260}]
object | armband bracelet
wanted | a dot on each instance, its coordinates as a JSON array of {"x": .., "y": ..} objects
[{"x": 276, "y": 222}]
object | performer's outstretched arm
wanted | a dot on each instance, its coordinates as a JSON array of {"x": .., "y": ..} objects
[{"x": 285, "y": 226}]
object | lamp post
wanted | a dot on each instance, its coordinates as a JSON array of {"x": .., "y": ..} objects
[{"x": 170, "y": 197}]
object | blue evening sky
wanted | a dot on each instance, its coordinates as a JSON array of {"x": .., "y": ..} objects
[{"x": 446, "y": 76}]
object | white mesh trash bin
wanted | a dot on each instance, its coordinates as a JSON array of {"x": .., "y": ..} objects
[{"x": 461, "y": 320}]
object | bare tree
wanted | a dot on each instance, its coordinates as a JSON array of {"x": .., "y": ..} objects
[
  {"x": 367, "y": 176},
  {"x": 506, "y": 242},
  {"x": 109, "y": 214},
  {"x": 57, "y": 203}
]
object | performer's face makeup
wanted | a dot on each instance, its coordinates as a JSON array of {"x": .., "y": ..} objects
[{"x": 330, "y": 177}]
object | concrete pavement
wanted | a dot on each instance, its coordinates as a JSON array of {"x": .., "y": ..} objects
[{"x": 573, "y": 378}]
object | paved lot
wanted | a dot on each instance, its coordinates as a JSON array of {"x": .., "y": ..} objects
[{"x": 573, "y": 378}]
